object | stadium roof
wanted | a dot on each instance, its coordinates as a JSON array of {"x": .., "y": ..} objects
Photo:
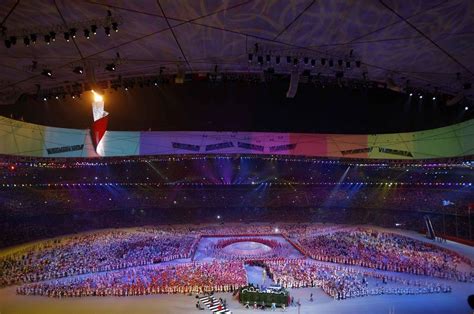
[{"x": 422, "y": 44}]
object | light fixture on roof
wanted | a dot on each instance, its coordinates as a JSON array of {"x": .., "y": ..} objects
[
  {"x": 72, "y": 32},
  {"x": 110, "y": 67},
  {"x": 421, "y": 96},
  {"x": 78, "y": 70},
  {"x": 87, "y": 33},
  {"x": 411, "y": 94},
  {"x": 434, "y": 97},
  {"x": 47, "y": 72}
]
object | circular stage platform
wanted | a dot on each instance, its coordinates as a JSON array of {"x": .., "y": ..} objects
[{"x": 246, "y": 248}]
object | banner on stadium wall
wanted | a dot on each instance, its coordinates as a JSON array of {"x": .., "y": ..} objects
[{"x": 26, "y": 139}]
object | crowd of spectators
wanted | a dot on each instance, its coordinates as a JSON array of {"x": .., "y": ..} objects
[
  {"x": 30, "y": 201},
  {"x": 229, "y": 170}
]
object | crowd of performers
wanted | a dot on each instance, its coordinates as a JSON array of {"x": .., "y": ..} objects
[
  {"x": 342, "y": 282},
  {"x": 94, "y": 252},
  {"x": 182, "y": 278},
  {"x": 125, "y": 259},
  {"x": 386, "y": 251}
]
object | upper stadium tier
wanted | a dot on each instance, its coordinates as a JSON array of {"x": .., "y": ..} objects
[{"x": 26, "y": 139}]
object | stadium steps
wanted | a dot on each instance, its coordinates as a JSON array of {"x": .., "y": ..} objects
[{"x": 213, "y": 305}]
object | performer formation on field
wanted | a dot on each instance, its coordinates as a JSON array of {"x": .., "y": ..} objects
[{"x": 158, "y": 260}]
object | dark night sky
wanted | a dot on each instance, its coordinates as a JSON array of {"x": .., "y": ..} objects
[{"x": 242, "y": 106}]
